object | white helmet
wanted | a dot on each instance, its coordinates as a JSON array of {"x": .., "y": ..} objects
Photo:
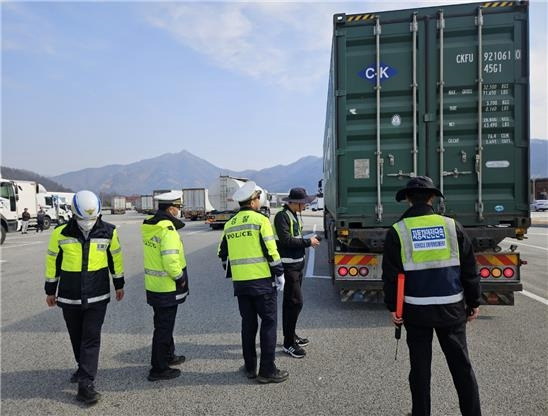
[{"x": 86, "y": 205}]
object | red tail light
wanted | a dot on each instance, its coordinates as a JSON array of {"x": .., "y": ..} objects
[
  {"x": 343, "y": 271},
  {"x": 508, "y": 272},
  {"x": 484, "y": 272}
]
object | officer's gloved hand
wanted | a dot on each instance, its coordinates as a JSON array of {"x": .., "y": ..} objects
[{"x": 280, "y": 282}]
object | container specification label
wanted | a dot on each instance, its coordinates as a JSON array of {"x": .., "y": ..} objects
[
  {"x": 361, "y": 168},
  {"x": 497, "y": 119},
  {"x": 497, "y": 112}
]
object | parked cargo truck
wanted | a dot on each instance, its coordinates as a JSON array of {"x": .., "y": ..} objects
[
  {"x": 118, "y": 205},
  {"x": 8, "y": 208},
  {"x": 145, "y": 204},
  {"x": 224, "y": 207},
  {"x": 437, "y": 91},
  {"x": 196, "y": 203}
]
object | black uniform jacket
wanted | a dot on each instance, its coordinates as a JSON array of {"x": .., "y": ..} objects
[
  {"x": 84, "y": 284},
  {"x": 289, "y": 246},
  {"x": 430, "y": 315}
]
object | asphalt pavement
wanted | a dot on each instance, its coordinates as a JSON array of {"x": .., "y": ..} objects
[{"x": 349, "y": 368}]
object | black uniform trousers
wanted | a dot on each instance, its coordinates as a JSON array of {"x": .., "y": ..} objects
[
  {"x": 163, "y": 347},
  {"x": 292, "y": 304},
  {"x": 84, "y": 327},
  {"x": 452, "y": 340},
  {"x": 264, "y": 306}
]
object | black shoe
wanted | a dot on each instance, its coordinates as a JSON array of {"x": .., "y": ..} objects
[
  {"x": 74, "y": 377},
  {"x": 87, "y": 394},
  {"x": 167, "y": 374},
  {"x": 177, "y": 359},
  {"x": 295, "y": 351},
  {"x": 279, "y": 376},
  {"x": 301, "y": 342},
  {"x": 250, "y": 374}
]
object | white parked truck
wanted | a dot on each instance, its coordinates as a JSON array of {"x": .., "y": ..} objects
[
  {"x": 118, "y": 205},
  {"x": 33, "y": 195},
  {"x": 8, "y": 208},
  {"x": 224, "y": 207},
  {"x": 145, "y": 204},
  {"x": 196, "y": 203}
]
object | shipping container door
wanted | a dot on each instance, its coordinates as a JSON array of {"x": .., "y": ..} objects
[
  {"x": 376, "y": 137},
  {"x": 484, "y": 180}
]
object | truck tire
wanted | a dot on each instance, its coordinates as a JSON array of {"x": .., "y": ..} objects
[
  {"x": 4, "y": 231},
  {"x": 47, "y": 222},
  {"x": 61, "y": 220}
]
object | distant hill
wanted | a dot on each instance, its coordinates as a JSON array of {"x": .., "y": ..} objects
[
  {"x": 185, "y": 170},
  {"x": 25, "y": 175},
  {"x": 539, "y": 158}
]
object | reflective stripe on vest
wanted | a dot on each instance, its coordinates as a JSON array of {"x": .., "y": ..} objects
[
  {"x": 434, "y": 300},
  {"x": 292, "y": 221},
  {"x": 163, "y": 256},
  {"x": 244, "y": 233},
  {"x": 290, "y": 260},
  {"x": 430, "y": 258},
  {"x": 79, "y": 301}
]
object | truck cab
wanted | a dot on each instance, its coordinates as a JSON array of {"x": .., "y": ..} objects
[{"x": 8, "y": 208}]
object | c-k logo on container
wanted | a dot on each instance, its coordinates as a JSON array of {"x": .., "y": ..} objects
[{"x": 370, "y": 72}]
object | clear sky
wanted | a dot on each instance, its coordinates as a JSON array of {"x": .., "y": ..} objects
[{"x": 242, "y": 85}]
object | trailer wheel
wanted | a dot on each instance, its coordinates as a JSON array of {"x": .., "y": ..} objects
[
  {"x": 47, "y": 222},
  {"x": 4, "y": 231}
]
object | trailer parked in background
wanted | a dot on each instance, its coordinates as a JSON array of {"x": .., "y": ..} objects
[
  {"x": 145, "y": 204},
  {"x": 224, "y": 207},
  {"x": 196, "y": 203},
  {"x": 118, "y": 205}
]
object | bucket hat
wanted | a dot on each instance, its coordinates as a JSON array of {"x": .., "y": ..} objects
[
  {"x": 418, "y": 184},
  {"x": 299, "y": 196}
]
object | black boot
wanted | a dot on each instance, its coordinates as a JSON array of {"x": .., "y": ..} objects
[{"x": 87, "y": 394}]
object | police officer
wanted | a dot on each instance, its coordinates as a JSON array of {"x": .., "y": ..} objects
[
  {"x": 442, "y": 292},
  {"x": 80, "y": 255},
  {"x": 248, "y": 252},
  {"x": 291, "y": 246},
  {"x": 166, "y": 281}
]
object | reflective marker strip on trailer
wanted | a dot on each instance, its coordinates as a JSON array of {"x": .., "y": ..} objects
[
  {"x": 498, "y": 4},
  {"x": 361, "y": 260},
  {"x": 497, "y": 260}
]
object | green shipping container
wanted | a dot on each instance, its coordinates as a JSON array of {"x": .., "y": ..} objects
[{"x": 438, "y": 91}]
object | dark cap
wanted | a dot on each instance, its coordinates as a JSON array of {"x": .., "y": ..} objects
[
  {"x": 418, "y": 184},
  {"x": 299, "y": 196}
]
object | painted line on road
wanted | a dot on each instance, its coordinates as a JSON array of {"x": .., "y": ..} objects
[
  {"x": 319, "y": 277},
  {"x": 529, "y": 245},
  {"x": 22, "y": 245},
  {"x": 311, "y": 255},
  {"x": 537, "y": 233},
  {"x": 535, "y": 297}
]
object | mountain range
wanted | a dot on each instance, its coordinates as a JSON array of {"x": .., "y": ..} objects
[{"x": 185, "y": 170}]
